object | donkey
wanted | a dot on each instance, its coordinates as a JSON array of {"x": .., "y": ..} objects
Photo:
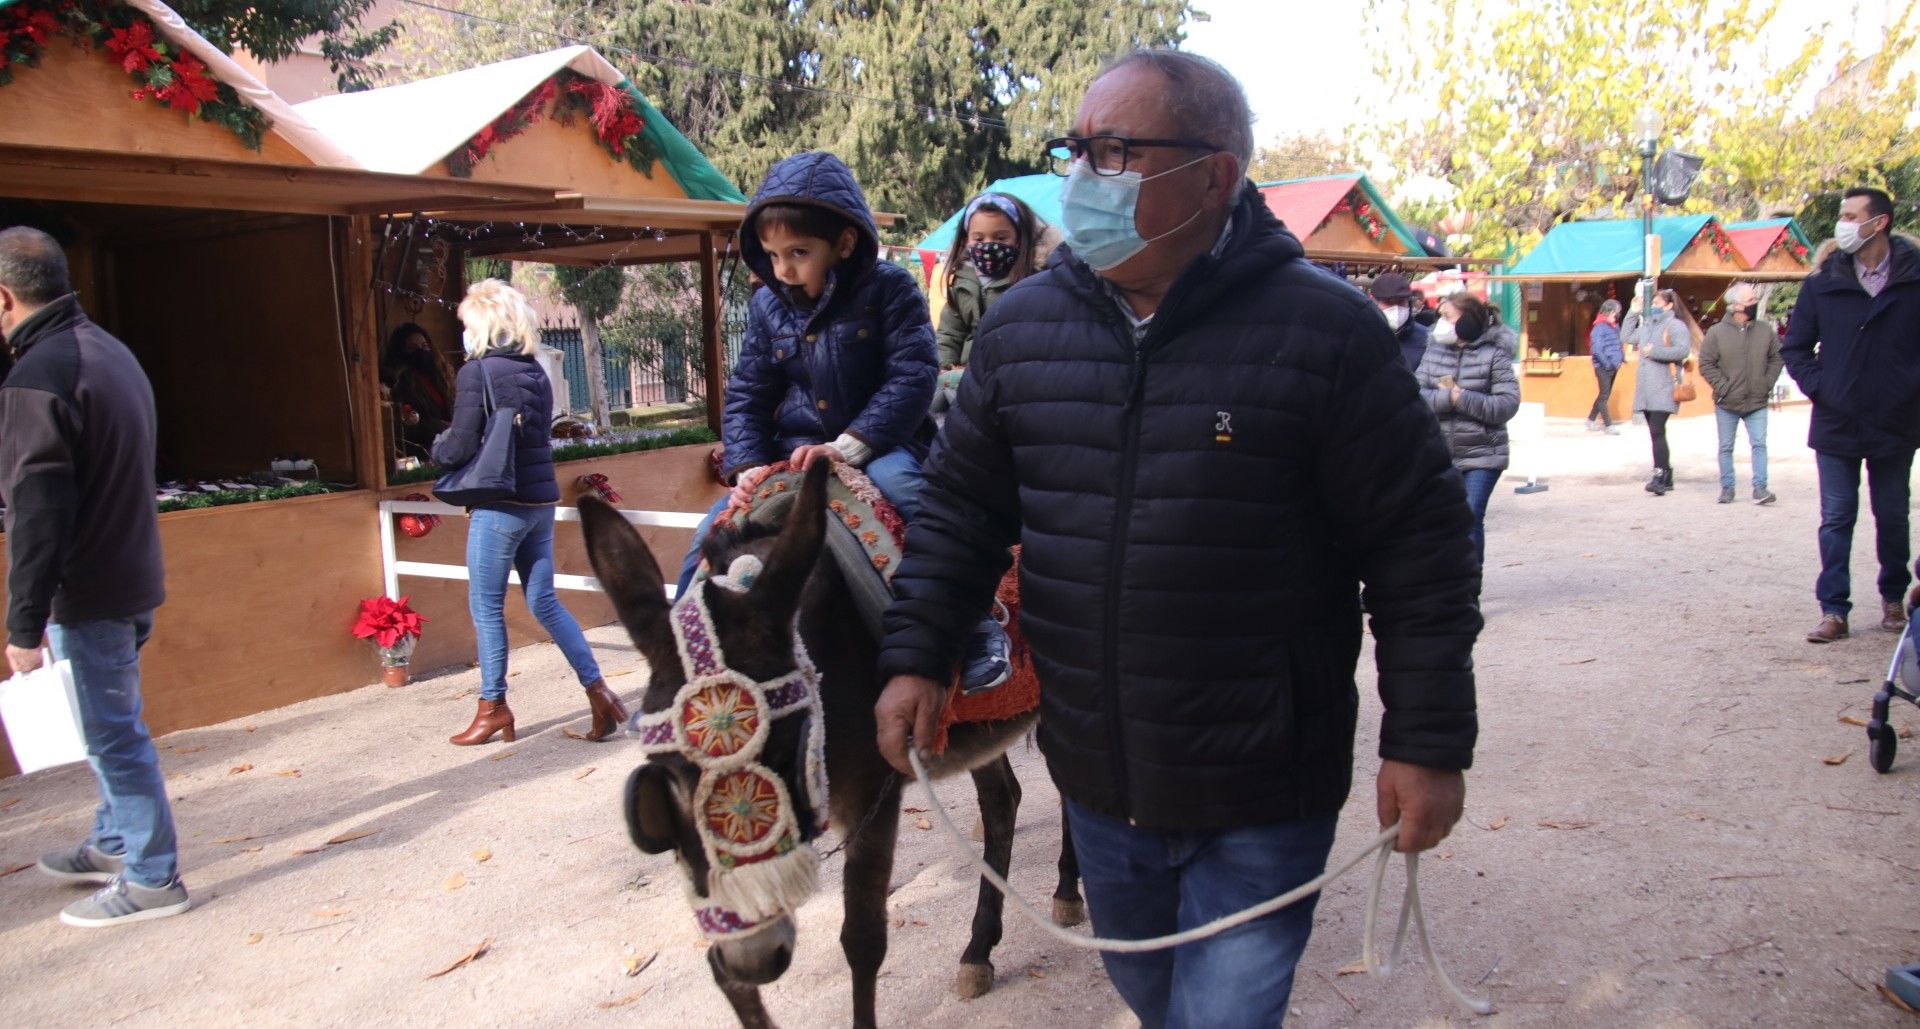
[{"x": 670, "y": 799}]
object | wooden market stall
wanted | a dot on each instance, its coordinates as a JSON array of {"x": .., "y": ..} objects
[
  {"x": 245, "y": 257},
  {"x": 1578, "y": 266},
  {"x": 1774, "y": 247}
]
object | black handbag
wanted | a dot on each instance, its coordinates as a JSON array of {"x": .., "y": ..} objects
[{"x": 489, "y": 475}]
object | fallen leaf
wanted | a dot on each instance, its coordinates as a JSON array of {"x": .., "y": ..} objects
[
  {"x": 235, "y": 839},
  {"x": 1906, "y": 732},
  {"x": 1582, "y": 661},
  {"x": 914, "y": 810},
  {"x": 10, "y": 869},
  {"x": 288, "y": 773},
  {"x": 481, "y": 854},
  {"x": 237, "y": 769},
  {"x": 9, "y": 802},
  {"x": 637, "y": 964},
  {"x": 1852, "y": 682},
  {"x": 1355, "y": 967},
  {"x": 349, "y": 837},
  {"x": 922, "y": 824},
  {"x": 1446, "y": 856},
  {"x": 620, "y": 1002},
  {"x": 253, "y": 938},
  {"x": 1851, "y": 720},
  {"x": 572, "y": 735},
  {"x": 1035, "y": 973},
  {"x": 1894, "y": 1000},
  {"x": 299, "y": 851},
  {"x": 189, "y": 750},
  {"x": 251, "y": 850},
  {"x": 1565, "y": 823},
  {"x": 1497, "y": 824},
  {"x": 465, "y": 959},
  {"x": 1586, "y": 555},
  {"x": 503, "y": 755},
  {"x": 249, "y": 728},
  {"x": 899, "y": 923},
  {"x": 1837, "y": 759},
  {"x": 583, "y": 773},
  {"x": 455, "y": 881},
  {"x": 331, "y": 912}
]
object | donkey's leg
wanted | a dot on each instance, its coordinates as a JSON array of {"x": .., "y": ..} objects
[
  {"x": 745, "y": 999},
  {"x": 1068, "y": 909},
  {"x": 869, "y": 871},
  {"x": 999, "y": 802}
]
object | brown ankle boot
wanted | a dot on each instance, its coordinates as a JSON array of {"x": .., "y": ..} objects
[
  {"x": 608, "y": 714},
  {"x": 493, "y": 716}
]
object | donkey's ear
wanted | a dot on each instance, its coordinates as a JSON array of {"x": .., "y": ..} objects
[
  {"x": 798, "y": 547},
  {"x": 626, "y": 569},
  {"x": 651, "y": 808}
]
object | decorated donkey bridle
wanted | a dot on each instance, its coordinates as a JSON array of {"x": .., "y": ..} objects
[{"x": 758, "y": 866}]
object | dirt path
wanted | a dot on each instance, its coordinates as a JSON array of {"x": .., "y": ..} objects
[{"x": 1672, "y": 847}]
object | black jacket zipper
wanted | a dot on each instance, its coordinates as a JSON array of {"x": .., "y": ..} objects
[{"x": 1116, "y": 562}]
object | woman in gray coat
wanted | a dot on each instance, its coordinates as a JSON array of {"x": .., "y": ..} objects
[
  {"x": 1665, "y": 342},
  {"x": 1467, "y": 379}
]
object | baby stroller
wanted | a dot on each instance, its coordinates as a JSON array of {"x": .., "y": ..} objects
[{"x": 1903, "y": 681}]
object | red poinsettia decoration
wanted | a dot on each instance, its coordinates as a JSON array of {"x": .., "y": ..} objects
[
  {"x": 133, "y": 46},
  {"x": 386, "y": 621},
  {"x": 611, "y": 111}
]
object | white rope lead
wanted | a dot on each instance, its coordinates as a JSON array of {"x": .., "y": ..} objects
[{"x": 1383, "y": 844}]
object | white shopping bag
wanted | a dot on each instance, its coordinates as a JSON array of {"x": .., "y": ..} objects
[{"x": 42, "y": 716}]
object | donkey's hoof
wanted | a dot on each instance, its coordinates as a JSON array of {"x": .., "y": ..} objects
[
  {"x": 973, "y": 981},
  {"x": 1069, "y": 913}
]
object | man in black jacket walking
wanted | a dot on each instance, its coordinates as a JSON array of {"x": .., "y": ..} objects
[
  {"x": 1205, "y": 445},
  {"x": 83, "y": 566}
]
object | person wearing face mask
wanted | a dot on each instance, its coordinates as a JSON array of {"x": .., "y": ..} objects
[
  {"x": 1853, "y": 347},
  {"x": 1665, "y": 341},
  {"x": 1740, "y": 359},
  {"x": 1467, "y": 380},
  {"x": 999, "y": 242},
  {"x": 1205, "y": 444},
  {"x": 1603, "y": 342},
  {"x": 418, "y": 387},
  {"x": 1395, "y": 297}
]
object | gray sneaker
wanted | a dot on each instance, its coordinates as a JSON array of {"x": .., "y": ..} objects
[
  {"x": 1726, "y": 494},
  {"x": 1763, "y": 495},
  {"x": 83, "y": 864},
  {"x": 122, "y": 901}
]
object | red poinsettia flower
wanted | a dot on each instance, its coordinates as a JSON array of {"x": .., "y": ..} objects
[
  {"x": 386, "y": 621},
  {"x": 37, "y": 26},
  {"x": 133, "y": 46}
]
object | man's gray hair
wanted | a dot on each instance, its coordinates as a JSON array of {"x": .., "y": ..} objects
[
  {"x": 1206, "y": 100},
  {"x": 1738, "y": 288},
  {"x": 32, "y": 266}
]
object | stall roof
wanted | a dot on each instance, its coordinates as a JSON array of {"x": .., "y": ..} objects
[
  {"x": 1606, "y": 248},
  {"x": 410, "y": 128},
  {"x": 1753, "y": 240},
  {"x": 48, "y": 173},
  {"x": 1304, "y": 203}
]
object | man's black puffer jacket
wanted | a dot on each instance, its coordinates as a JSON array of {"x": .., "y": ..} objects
[{"x": 1197, "y": 516}]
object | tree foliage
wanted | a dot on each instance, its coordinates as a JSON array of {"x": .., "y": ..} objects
[
  {"x": 1301, "y": 157},
  {"x": 1530, "y": 107},
  {"x": 274, "y": 29},
  {"x": 926, "y": 100}
]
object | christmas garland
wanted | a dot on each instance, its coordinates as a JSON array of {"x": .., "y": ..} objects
[
  {"x": 583, "y": 451},
  {"x": 161, "y": 70},
  {"x": 1721, "y": 242},
  {"x": 1789, "y": 245},
  {"x": 610, "y": 110},
  {"x": 1363, "y": 212},
  {"x": 222, "y": 498}
]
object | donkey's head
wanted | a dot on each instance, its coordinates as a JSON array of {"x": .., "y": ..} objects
[{"x": 735, "y": 782}]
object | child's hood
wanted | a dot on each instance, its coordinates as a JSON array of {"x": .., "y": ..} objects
[{"x": 823, "y": 180}]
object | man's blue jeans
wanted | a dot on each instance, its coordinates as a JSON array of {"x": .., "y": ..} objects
[
  {"x": 134, "y": 818},
  {"x": 517, "y": 538},
  {"x": 1142, "y": 883},
  {"x": 1888, "y": 492},
  {"x": 1480, "y": 483},
  {"x": 896, "y": 474},
  {"x": 1729, "y": 424}
]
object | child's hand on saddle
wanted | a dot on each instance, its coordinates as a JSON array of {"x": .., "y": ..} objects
[
  {"x": 804, "y": 456},
  {"x": 743, "y": 486}
]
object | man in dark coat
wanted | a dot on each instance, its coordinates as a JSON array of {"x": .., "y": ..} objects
[
  {"x": 1205, "y": 445},
  {"x": 1396, "y": 299},
  {"x": 1853, "y": 346},
  {"x": 84, "y": 574}
]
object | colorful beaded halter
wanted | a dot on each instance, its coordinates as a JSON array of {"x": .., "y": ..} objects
[{"x": 758, "y": 864}]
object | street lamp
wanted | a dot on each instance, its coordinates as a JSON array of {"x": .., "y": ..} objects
[{"x": 1646, "y": 127}]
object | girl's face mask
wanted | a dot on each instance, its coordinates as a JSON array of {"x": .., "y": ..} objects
[{"x": 993, "y": 260}]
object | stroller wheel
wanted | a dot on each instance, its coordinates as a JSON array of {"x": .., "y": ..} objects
[{"x": 1881, "y": 745}]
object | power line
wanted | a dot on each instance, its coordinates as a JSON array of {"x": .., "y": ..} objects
[{"x": 601, "y": 44}]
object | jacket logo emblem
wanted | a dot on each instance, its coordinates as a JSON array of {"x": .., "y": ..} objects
[{"x": 1223, "y": 427}]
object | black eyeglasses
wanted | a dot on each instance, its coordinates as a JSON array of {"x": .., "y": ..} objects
[{"x": 1109, "y": 155}]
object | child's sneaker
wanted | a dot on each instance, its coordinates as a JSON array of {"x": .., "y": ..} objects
[
  {"x": 83, "y": 864},
  {"x": 987, "y": 663},
  {"x": 122, "y": 901}
]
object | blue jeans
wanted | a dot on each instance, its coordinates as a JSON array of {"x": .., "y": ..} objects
[
  {"x": 896, "y": 474},
  {"x": 1729, "y": 424},
  {"x": 1142, "y": 883},
  {"x": 1480, "y": 483},
  {"x": 517, "y": 538},
  {"x": 134, "y": 818},
  {"x": 1888, "y": 480}
]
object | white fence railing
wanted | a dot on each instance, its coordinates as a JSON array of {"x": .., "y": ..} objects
[{"x": 392, "y": 568}]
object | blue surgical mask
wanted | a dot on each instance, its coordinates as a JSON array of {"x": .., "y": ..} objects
[{"x": 1098, "y": 214}]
